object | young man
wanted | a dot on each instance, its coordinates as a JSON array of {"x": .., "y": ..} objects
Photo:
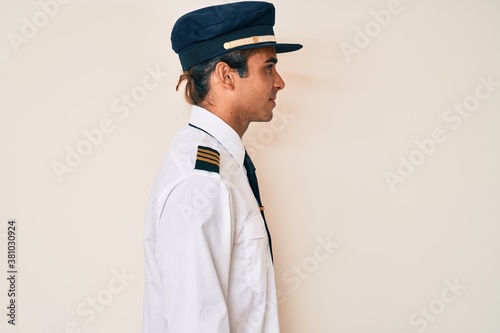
[{"x": 207, "y": 246}]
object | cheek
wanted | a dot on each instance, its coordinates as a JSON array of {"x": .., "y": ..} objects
[{"x": 266, "y": 87}]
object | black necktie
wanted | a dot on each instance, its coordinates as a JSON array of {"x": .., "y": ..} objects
[{"x": 252, "y": 179}]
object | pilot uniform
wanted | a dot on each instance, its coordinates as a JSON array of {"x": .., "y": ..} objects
[
  {"x": 208, "y": 264},
  {"x": 208, "y": 255}
]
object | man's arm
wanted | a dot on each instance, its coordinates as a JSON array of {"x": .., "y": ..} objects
[{"x": 193, "y": 253}]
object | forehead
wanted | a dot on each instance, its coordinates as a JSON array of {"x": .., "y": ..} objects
[{"x": 263, "y": 55}]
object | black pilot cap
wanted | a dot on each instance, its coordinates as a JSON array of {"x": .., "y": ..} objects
[{"x": 209, "y": 32}]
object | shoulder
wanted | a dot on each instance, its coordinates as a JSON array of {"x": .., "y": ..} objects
[
  {"x": 195, "y": 152},
  {"x": 207, "y": 158}
]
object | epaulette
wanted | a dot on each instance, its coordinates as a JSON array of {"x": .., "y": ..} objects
[{"x": 207, "y": 159}]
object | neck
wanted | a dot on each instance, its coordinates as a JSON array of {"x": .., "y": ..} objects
[{"x": 230, "y": 117}]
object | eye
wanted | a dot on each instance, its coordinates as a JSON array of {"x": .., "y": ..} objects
[{"x": 270, "y": 67}]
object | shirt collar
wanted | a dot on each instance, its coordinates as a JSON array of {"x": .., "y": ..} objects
[{"x": 221, "y": 131}]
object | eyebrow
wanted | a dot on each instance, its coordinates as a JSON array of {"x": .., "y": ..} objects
[{"x": 273, "y": 60}]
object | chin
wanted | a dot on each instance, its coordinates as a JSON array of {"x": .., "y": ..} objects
[
  {"x": 264, "y": 116},
  {"x": 268, "y": 116}
]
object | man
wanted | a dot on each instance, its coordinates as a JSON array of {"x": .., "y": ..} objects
[{"x": 207, "y": 247}]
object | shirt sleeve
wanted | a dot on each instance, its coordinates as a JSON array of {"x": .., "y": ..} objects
[{"x": 193, "y": 254}]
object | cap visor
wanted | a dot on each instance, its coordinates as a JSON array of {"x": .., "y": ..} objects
[
  {"x": 278, "y": 47},
  {"x": 282, "y": 48}
]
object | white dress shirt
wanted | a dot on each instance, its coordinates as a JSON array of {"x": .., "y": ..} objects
[{"x": 208, "y": 265}]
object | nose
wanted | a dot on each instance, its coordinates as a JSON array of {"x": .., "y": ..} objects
[{"x": 279, "y": 84}]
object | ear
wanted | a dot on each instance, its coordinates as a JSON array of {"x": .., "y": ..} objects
[{"x": 225, "y": 75}]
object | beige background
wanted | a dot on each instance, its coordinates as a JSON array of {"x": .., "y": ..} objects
[{"x": 341, "y": 124}]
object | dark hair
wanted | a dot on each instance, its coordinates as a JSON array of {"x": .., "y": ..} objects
[{"x": 198, "y": 76}]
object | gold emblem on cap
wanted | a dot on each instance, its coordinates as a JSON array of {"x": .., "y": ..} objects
[{"x": 249, "y": 41}]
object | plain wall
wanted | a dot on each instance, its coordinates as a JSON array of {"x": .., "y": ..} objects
[{"x": 379, "y": 171}]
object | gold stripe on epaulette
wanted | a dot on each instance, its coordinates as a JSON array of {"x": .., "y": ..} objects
[
  {"x": 209, "y": 152},
  {"x": 208, "y": 160},
  {"x": 209, "y": 156}
]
